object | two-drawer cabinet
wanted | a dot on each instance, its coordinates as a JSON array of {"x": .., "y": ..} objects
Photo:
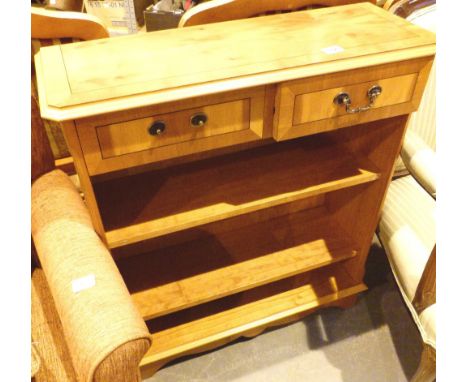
[{"x": 240, "y": 191}]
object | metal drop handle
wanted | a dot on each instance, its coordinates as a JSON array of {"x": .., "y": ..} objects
[{"x": 345, "y": 99}]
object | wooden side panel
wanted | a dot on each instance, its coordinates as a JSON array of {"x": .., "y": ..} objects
[{"x": 381, "y": 142}]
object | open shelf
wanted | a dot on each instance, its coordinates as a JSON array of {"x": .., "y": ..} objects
[
  {"x": 152, "y": 204},
  {"x": 216, "y": 323},
  {"x": 220, "y": 264}
]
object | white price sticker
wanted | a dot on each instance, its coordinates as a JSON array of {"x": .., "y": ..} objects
[
  {"x": 334, "y": 49},
  {"x": 83, "y": 283}
]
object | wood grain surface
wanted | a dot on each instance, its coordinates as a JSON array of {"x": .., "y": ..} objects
[{"x": 214, "y": 324}]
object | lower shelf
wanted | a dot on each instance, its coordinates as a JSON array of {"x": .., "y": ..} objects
[
  {"x": 214, "y": 324},
  {"x": 220, "y": 264}
]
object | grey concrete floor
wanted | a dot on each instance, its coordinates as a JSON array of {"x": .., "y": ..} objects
[{"x": 376, "y": 340}]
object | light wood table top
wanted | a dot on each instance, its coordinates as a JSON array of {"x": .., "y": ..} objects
[{"x": 95, "y": 77}]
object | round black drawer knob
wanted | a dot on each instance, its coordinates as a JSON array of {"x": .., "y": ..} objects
[
  {"x": 157, "y": 128},
  {"x": 198, "y": 120}
]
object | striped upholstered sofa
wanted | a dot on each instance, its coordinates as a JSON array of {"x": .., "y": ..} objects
[{"x": 407, "y": 226}]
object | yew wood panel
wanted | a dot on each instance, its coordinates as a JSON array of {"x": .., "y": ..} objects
[{"x": 380, "y": 142}]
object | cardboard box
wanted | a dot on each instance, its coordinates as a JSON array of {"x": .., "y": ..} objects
[{"x": 119, "y": 16}]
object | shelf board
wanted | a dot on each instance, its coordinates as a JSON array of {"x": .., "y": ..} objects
[
  {"x": 216, "y": 323},
  {"x": 221, "y": 264},
  {"x": 152, "y": 204}
]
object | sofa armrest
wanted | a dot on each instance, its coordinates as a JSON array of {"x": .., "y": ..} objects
[
  {"x": 420, "y": 161},
  {"x": 106, "y": 335}
]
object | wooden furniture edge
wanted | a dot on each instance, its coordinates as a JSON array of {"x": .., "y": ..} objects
[
  {"x": 73, "y": 143},
  {"x": 425, "y": 294},
  {"x": 426, "y": 371}
]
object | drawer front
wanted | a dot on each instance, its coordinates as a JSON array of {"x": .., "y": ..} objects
[
  {"x": 308, "y": 106},
  {"x": 181, "y": 126},
  {"x": 138, "y": 137}
]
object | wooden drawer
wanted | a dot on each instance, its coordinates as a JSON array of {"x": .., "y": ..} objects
[
  {"x": 128, "y": 139},
  {"x": 307, "y": 106},
  {"x": 180, "y": 126}
]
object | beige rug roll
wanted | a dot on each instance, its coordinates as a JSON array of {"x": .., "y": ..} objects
[{"x": 93, "y": 303}]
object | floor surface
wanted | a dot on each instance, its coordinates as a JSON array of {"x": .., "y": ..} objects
[{"x": 374, "y": 341}]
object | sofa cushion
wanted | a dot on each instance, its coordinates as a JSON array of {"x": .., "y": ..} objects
[
  {"x": 423, "y": 122},
  {"x": 407, "y": 231},
  {"x": 420, "y": 161}
]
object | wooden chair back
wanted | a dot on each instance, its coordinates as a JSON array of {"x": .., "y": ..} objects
[
  {"x": 50, "y": 27},
  {"x": 225, "y": 10},
  {"x": 404, "y": 8},
  {"x": 42, "y": 159},
  {"x": 49, "y": 24}
]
